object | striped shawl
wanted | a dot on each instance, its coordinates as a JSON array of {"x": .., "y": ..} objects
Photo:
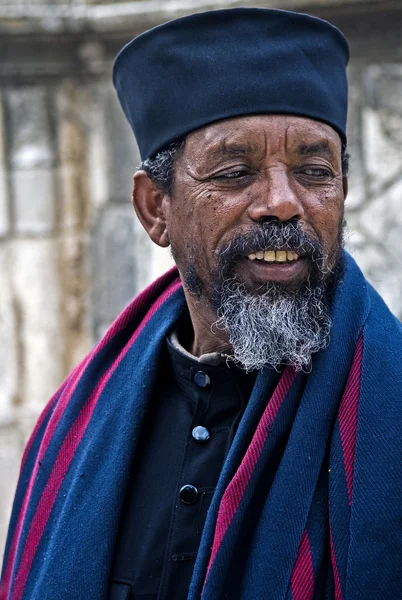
[{"x": 308, "y": 505}]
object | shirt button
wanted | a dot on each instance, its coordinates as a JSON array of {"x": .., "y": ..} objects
[
  {"x": 200, "y": 433},
  {"x": 201, "y": 379},
  {"x": 188, "y": 494}
]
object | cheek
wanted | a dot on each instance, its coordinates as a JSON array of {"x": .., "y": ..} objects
[
  {"x": 202, "y": 216},
  {"x": 191, "y": 226},
  {"x": 325, "y": 213}
]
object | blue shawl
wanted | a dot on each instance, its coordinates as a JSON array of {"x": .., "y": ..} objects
[{"x": 308, "y": 504}]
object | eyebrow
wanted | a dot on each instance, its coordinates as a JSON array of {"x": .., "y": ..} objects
[
  {"x": 322, "y": 148},
  {"x": 233, "y": 149}
]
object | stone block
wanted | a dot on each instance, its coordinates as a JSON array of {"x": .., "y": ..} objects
[
  {"x": 383, "y": 159},
  {"x": 4, "y": 207},
  {"x": 123, "y": 153},
  {"x": 124, "y": 262},
  {"x": 98, "y": 151},
  {"x": 36, "y": 284},
  {"x": 11, "y": 449},
  {"x": 381, "y": 255},
  {"x": 115, "y": 264},
  {"x": 73, "y": 108},
  {"x": 30, "y": 135},
  {"x": 382, "y": 218},
  {"x": 74, "y": 196},
  {"x": 384, "y": 87},
  {"x": 160, "y": 261},
  {"x": 382, "y": 130},
  {"x": 151, "y": 260},
  {"x": 34, "y": 200},
  {"x": 9, "y": 341},
  {"x": 83, "y": 143},
  {"x": 71, "y": 142},
  {"x": 382, "y": 272},
  {"x": 4, "y": 210},
  {"x": 2, "y": 133},
  {"x": 75, "y": 285},
  {"x": 357, "y": 191}
]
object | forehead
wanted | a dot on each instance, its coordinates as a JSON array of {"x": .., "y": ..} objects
[{"x": 262, "y": 133}]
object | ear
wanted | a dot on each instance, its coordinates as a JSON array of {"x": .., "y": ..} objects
[
  {"x": 148, "y": 202},
  {"x": 345, "y": 186}
]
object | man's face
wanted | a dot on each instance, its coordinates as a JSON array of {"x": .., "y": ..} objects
[{"x": 236, "y": 179}]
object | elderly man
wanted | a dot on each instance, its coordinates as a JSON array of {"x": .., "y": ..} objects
[{"x": 237, "y": 432}]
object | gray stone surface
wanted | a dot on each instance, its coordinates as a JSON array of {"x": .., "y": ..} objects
[
  {"x": 98, "y": 147},
  {"x": 10, "y": 458},
  {"x": 9, "y": 341},
  {"x": 75, "y": 288},
  {"x": 123, "y": 152},
  {"x": 382, "y": 157},
  {"x": 4, "y": 200},
  {"x": 381, "y": 254},
  {"x": 30, "y": 134},
  {"x": 114, "y": 262},
  {"x": 37, "y": 297},
  {"x": 151, "y": 260},
  {"x": 34, "y": 195},
  {"x": 357, "y": 179},
  {"x": 382, "y": 118},
  {"x": 4, "y": 207},
  {"x": 72, "y": 185},
  {"x": 3, "y": 152},
  {"x": 125, "y": 262},
  {"x": 74, "y": 123}
]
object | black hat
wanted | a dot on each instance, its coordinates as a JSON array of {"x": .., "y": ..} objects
[{"x": 191, "y": 71}]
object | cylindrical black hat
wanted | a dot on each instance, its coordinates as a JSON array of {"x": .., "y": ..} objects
[{"x": 186, "y": 73}]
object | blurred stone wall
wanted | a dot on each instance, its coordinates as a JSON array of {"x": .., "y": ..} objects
[{"x": 72, "y": 254}]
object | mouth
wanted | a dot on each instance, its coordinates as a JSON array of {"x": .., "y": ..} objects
[
  {"x": 275, "y": 266},
  {"x": 274, "y": 256}
]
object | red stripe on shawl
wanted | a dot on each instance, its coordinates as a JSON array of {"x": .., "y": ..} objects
[
  {"x": 236, "y": 488},
  {"x": 348, "y": 416},
  {"x": 69, "y": 384},
  {"x": 39, "y": 422},
  {"x": 337, "y": 581},
  {"x": 76, "y": 433},
  {"x": 302, "y": 579},
  {"x": 141, "y": 302}
]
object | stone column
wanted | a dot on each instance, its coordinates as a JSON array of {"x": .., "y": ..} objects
[
  {"x": 11, "y": 444},
  {"x": 73, "y": 107},
  {"x": 376, "y": 218},
  {"x": 34, "y": 248}
]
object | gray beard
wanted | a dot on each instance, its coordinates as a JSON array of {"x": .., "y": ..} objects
[
  {"x": 274, "y": 327},
  {"x": 277, "y": 323}
]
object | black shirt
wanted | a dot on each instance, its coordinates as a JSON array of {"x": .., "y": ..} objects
[{"x": 193, "y": 416}]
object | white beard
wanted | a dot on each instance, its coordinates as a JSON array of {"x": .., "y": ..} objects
[{"x": 275, "y": 327}]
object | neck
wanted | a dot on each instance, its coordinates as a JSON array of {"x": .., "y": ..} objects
[{"x": 207, "y": 338}]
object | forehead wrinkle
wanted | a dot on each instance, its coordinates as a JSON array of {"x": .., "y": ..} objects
[
  {"x": 227, "y": 148},
  {"x": 312, "y": 137}
]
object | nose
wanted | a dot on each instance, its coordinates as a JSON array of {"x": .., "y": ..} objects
[{"x": 275, "y": 196}]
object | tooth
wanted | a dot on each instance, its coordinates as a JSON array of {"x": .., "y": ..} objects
[
  {"x": 280, "y": 256},
  {"x": 269, "y": 255},
  {"x": 260, "y": 254},
  {"x": 291, "y": 255},
  {"x": 252, "y": 256}
]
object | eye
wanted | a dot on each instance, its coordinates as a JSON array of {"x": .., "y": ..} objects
[
  {"x": 239, "y": 174},
  {"x": 316, "y": 172}
]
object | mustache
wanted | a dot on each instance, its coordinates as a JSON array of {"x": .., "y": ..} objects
[{"x": 276, "y": 235}]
